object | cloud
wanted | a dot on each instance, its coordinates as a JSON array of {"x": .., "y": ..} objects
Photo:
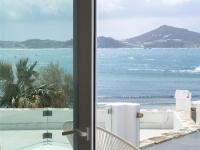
[
  {"x": 128, "y": 18},
  {"x": 31, "y": 9},
  {"x": 169, "y": 2},
  {"x": 175, "y": 2},
  {"x": 146, "y": 8},
  {"x": 109, "y": 5}
]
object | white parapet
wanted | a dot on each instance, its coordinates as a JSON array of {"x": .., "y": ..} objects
[
  {"x": 104, "y": 117},
  {"x": 183, "y": 100},
  {"x": 157, "y": 119},
  {"x": 196, "y": 105},
  {"x": 125, "y": 122},
  {"x": 33, "y": 119}
]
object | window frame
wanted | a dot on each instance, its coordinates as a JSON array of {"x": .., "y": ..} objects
[{"x": 84, "y": 45}]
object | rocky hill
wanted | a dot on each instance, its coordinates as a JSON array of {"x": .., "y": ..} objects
[{"x": 167, "y": 37}]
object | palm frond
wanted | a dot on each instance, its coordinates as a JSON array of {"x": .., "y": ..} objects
[
  {"x": 6, "y": 72},
  {"x": 26, "y": 74}
]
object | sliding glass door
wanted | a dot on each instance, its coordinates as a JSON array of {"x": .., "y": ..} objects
[{"x": 46, "y": 79}]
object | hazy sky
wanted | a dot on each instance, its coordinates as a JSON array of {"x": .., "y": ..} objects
[
  {"x": 126, "y": 18},
  {"x": 52, "y": 19},
  {"x": 43, "y": 19}
]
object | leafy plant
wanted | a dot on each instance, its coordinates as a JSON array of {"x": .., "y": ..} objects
[
  {"x": 8, "y": 88},
  {"x": 25, "y": 76},
  {"x": 59, "y": 86},
  {"x": 27, "y": 88}
]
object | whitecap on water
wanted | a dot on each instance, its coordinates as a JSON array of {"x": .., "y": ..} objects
[
  {"x": 131, "y": 58},
  {"x": 197, "y": 69},
  {"x": 150, "y": 59},
  {"x": 154, "y": 70}
]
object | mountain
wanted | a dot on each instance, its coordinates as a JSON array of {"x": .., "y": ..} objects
[
  {"x": 162, "y": 37},
  {"x": 108, "y": 42},
  {"x": 36, "y": 43},
  {"x": 166, "y": 37}
]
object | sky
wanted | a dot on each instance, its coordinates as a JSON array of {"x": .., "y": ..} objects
[
  {"x": 123, "y": 19},
  {"x": 36, "y": 19},
  {"x": 52, "y": 19}
]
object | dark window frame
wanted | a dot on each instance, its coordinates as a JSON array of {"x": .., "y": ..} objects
[{"x": 84, "y": 71}]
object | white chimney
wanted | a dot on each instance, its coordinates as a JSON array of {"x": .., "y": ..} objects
[{"x": 183, "y": 100}]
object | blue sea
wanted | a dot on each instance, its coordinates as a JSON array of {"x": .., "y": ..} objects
[
  {"x": 63, "y": 57},
  {"x": 147, "y": 76}
]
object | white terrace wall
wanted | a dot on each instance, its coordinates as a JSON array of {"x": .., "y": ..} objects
[
  {"x": 183, "y": 101},
  {"x": 121, "y": 119},
  {"x": 26, "y": 119},
  {"x": 169, "y": 119},
  {"x": 104, "y": 117},
  {"x": 157, "y": 119},
  {"x": 198, "y": 114},
  {"x": 160, "y": 119}
]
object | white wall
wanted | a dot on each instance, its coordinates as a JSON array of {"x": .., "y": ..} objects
[
  {"x": 178, "y": 123},
  {"x": 183, "y": 100},
  {"x": 196, "y": 104},
  {"x": 104, "y": 117},
  {"x": 152, "y": 119},
  {"x": 157, "y": 119},
  {"x": 125, "y": 122},
  {"x": 120, "y": 118},
  {"x": 198, "y": 114},
  {"x": 22, "y": 119}
]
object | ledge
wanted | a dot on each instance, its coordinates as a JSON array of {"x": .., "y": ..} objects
[{"x": 189, "y": 127}]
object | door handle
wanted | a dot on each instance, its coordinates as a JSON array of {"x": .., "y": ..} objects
[{"x": 79, "y": 132}]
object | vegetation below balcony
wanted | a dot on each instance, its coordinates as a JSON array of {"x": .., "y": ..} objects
[{"x": 28, "y": 87}]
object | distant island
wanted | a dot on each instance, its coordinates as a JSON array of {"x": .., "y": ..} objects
[
  {"x": 37, "y": 43},
  {"x": 163, "y": 37}
]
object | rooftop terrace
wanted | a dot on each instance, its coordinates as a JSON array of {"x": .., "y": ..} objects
[{"x": 23, "y": 129}]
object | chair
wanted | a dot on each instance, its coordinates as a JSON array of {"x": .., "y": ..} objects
[{"x": 106, "y": 140}]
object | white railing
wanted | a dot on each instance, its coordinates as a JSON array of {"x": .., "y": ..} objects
[{"x": 106, "y": 140}]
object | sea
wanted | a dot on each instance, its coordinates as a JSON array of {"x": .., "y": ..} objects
[{"x": 146, "y": 76}]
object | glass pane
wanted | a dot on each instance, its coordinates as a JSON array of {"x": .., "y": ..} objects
[
  {"x": 36, "y": 74},
  {"x": 148, "y": 62}
]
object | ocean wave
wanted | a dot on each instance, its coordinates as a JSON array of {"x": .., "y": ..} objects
[
  {"x": 141, "y": 99},
  {"x": 167, "y": 99},
  {"x": 130, "y": 69},
  {"x": 136, "y": 97},
  {"x": 131, "y": 58},
  {"x": 150, "y": 59},
  {"x": 195, "y": 70}
]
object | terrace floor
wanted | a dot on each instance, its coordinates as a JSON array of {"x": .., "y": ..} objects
[
  {"x": 149, "y": 133},
  {"x": 32, "y": 140},
  {"x": 188, "y": 142}
]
